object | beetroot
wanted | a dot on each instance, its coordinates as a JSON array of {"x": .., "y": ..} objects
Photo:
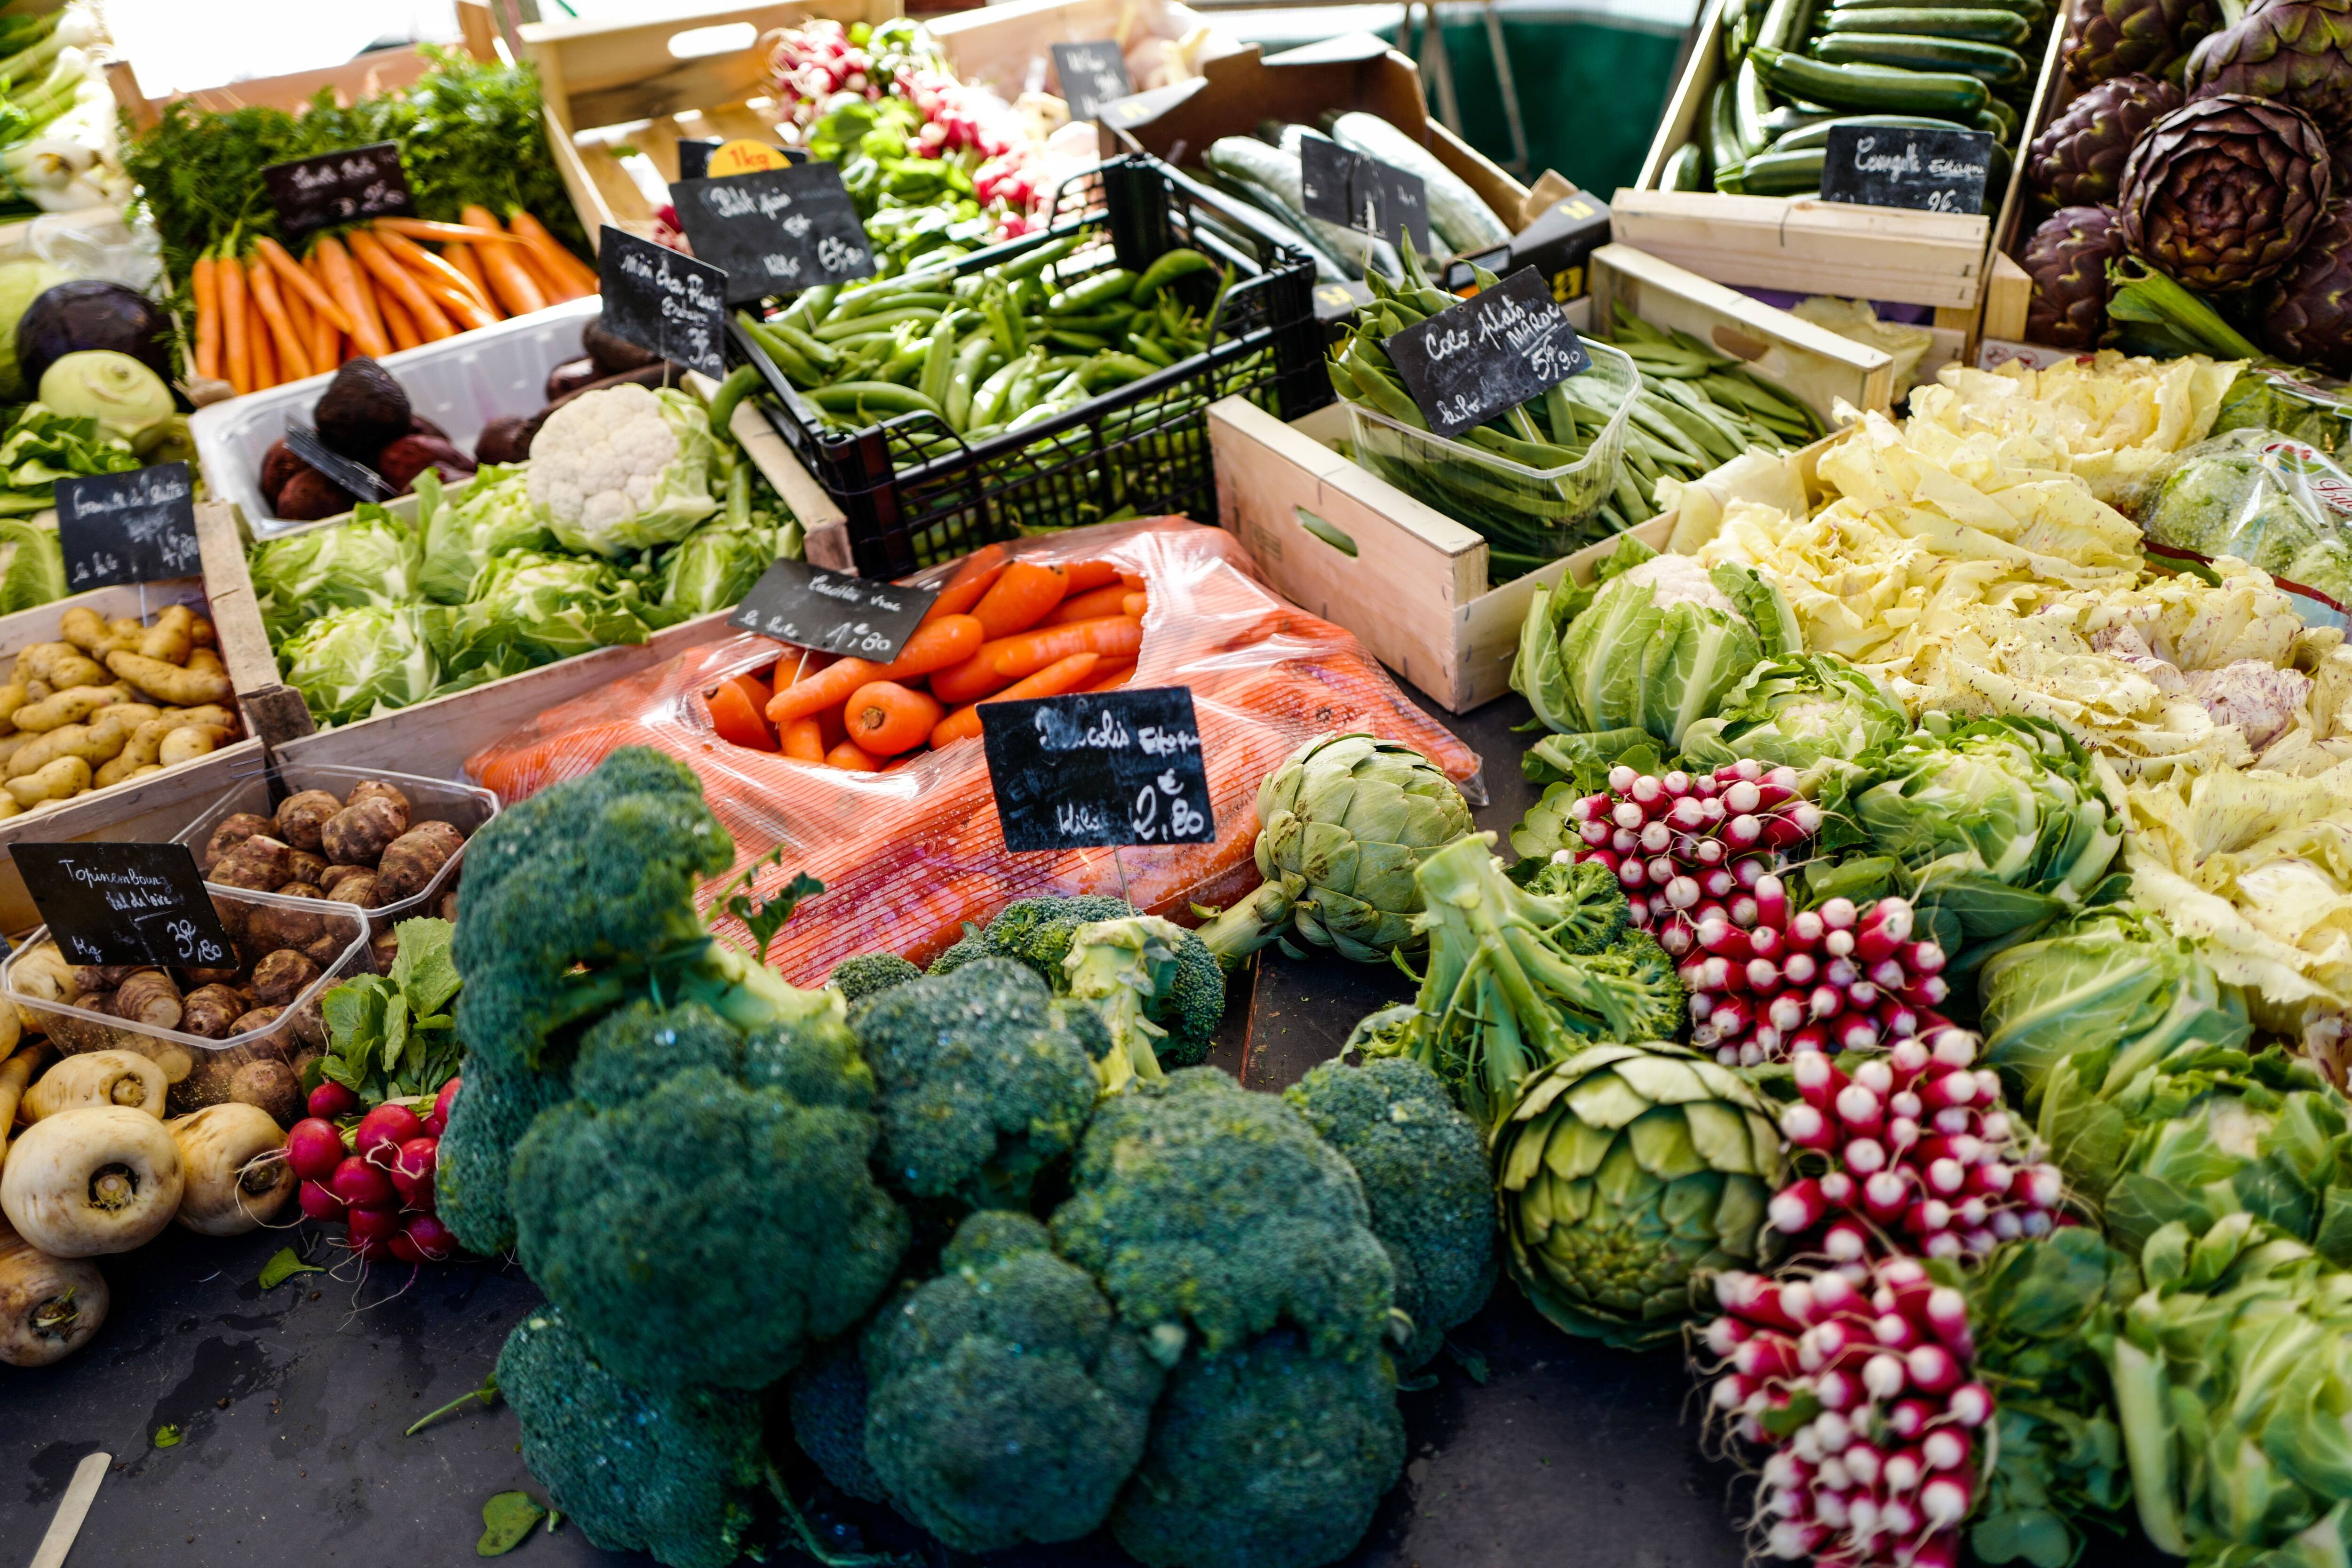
[
  {"x": 505, "y": 440},
  {"x": 357, "y": 1182},
  {"x": 332, "y": 1100},
  {"x": 319, "y": 1203},
  {"x": 403, "y": 459},
  {"x": 411, "y": 1171},
  {"x": 572, "y": 375},
  {"x": 314, "y": 1148},
  {"x": 311, "y": 495},
  {"x": 278, "y": 466},
  {"x": 382, "y": 1131}
]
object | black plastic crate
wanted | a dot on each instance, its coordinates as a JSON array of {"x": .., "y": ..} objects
[{"x": 1136, "y": 451}]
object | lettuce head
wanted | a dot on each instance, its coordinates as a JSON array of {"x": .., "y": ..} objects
[
  {"x": 530, "y": 608},
  {"x": 370, "y": 561},
  {"x": 1800, "y": 709},
  {"x": 491, "y": 516},
  {"x": 363, "y": 660}
]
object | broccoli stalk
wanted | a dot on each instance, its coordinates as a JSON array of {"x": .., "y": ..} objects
[{"x": 1123, "y": 968}]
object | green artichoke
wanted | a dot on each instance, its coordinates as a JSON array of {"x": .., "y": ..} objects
[
  {"x": 2223, "y": 192},
  {"x": 2108, "y": 38},
  {"x": 1345, "y": 823},
  {"x": 2079, "y": 160},
  {"x": 2067, "y": 258},
  {"x": 1629, "y": 1175},
  {"x": 2297, "y": 52}
]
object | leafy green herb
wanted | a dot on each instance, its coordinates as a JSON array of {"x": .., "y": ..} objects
[
  {"x": 764, "y": 919},
  {"x": 391, "y": 1036},
  {"x": 488, "y": 1394},
  {"x": 284, "y": 1264},
  {"x": 167, "y": 1436},
  {"x": 506, "y": 1519}
]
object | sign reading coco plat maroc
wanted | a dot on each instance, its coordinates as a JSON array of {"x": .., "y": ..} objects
[
  {"x": 775, "y": 231},
  {"x": 1100, "y": 768},
  {"x": 138, "y": 527},
  {"x": 665, "y": 303},
  {"x": 1926, "y": 170},
  {"x": 1493, "y": 351},
  {"x": 831, "y": 612},
  {"x": 125, "y": 903}
]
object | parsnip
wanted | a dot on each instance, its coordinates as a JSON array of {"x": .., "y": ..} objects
[
  {"x": 83, "y": 1183},
  {"x": 98, "y": 1078},
  {"x": 49, "y": 1307},
  {"x": 236, "y": 1179}
]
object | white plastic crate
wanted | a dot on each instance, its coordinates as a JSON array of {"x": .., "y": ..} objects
[{"x": 460, "y": 383}]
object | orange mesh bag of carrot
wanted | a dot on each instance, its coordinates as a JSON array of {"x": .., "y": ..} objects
[{"x": 909, "y": 855}]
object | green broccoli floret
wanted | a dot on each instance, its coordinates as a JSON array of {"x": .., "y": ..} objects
[
  {"x": 1650, "y": 989},
  {"x": 493, "y": 1109},
  {"x": 629, "y": 1051},
  {"x": 661, "y": 1473},
  {"x": 1267, "y": 1457},
  {"x": 1426, "y": 1177},
  {"x": 1008, "y": 1404},
  {"x": 1593, "y": 911},
  {"x": 1154, "y": 983},
  {"x": 705, "y": 1231},
  {"x": 1034, "y": 933},
  {"x": 860, "y": 977},
  {"x": 826, "y": 1402},
  {"x": 1197, "y": 1204},
  {"x": 986, "y": 1078}
]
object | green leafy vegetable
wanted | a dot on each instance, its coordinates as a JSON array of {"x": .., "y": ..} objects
[
  {"x": 36, "y": 572},
  {"x": 507, "y": 1521},
  {"x": 1802, "y": 709},
  {"x": 392, "y": 1037},
  {"x": 492, "y": 516},
  {"x": 167, "y": 1436},
  {"x": 371, "y": 561},
  {"x": 284, "y": 1264},
  {"x": 487, "y": 1394},
  {"x": 352, "y": 663}
]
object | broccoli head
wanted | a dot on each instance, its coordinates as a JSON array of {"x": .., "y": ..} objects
[
  {"x": 860, "y": 977},
  {"x": 1199, "y": 1205},
  {"x": 1593, "y": 912},
  {"x": 814, "y": 1061},
  {"x": 1646, "y": 982},
  {"x": 985, "y": 1076},
  {"x": 1156, "y": 986},
  {"x": 826, "y": 1402},
  {"x": 1265, "y": 1457},
  {"x": 1034, "y": 933},
  {"x": 1008, "y": 1404},
  {"x": 705, "y": 1231},
  {"x": 494, "y": 1108},
  {"x": 663, "y": 1473},
  {"x": 1425, "y": 1178}
]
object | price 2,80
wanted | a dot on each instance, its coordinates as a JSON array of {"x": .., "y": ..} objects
[{"x": 1184, "y": 816}]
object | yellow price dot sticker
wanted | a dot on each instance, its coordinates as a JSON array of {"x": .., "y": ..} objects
[{"x": 742, "y": 156}]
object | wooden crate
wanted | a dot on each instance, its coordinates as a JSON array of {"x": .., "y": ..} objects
[
  {"x": 2012, "y": 290},
  {"x": 380, "y": 70},
  {"x": 1007, "y": 47},
  {"x": 1812, "y": 246},
  {"x": 615, "y": 87}
]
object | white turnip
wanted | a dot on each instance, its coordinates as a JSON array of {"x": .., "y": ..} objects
[
  {"x": 99, "y": 1179},
  {"x": 236, "y": 1174},
  {"x": 48, "y": 1306}
]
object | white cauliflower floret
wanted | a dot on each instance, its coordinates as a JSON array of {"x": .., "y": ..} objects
[{"x": 623, "y": 470}]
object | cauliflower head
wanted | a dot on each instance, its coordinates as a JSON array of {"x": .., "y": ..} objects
[{"x": 623, "y": 470}]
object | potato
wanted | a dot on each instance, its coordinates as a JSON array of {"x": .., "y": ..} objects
[
  {"x": 412, "y": 860},
  {"x": 200, "y": 632},
  {"x": 300, "y": 817},
  {"x": 188, "y": 742},
  {"x": 204, "y": 713},
  {"x": 168, "y": 682},
  {"x": 91, "y": 744},
  {"x": 13, "y": 696},
  {"x": 171, "y": 637},
  {"x": 72, "y": 706},
  {"x": 231, "y": 831},
  {"x": 358, "y": 833},
  {"x": 131, "y": 713},
  {"x": 60, "y": 665},
  {"x": 60, "y": 780},
  {"x": 83, "y": 627},
  {"x": 261, "y": 863},
  {"x": 206, "y": 660}
]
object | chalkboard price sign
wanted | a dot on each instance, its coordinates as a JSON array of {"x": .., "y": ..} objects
[
  {"x": 831, "y": 612},
  {"x": 1350, "y": 189},
  {"x": 1493, "y": 351},
  {"x": 1092, "y": 74},
  {"x": 665, "y": 303},
  {"x": 1918, "y": 168},
  {"x": 138, "y": 527},
  {"x": 126, "y": 903},
  {"x": 1104, "y": 768},
  {"x": 775, "y": 231},
  {"x": 313, "y": 194}
]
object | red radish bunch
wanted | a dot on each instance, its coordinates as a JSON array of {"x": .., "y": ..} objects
[
  {"x": 812, "y": 63},
  {"x": 1860, "y": 1393},
  {"x": 379, "y": 1184},
  {"x": 1767, "y": 983},
  {"x": 1914, "y": 1149}
]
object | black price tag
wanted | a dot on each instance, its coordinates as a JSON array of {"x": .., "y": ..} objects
[
  {"x": 138, "y": 527},
  {"x": 1091, "y": 74},
  {"x": 1925, "y": 170},
  {"x": 1105, "y": 768},
  {"x": 313, "y": 194},
  {"x": 1494, "y": 350},
  {"x": 126, "y": 903},
  {"x": 1355, "y": 191},
  {"x": 831, "y": 612},
  {"x": 665, "y": 303},
  {"x": 777, "y": 231}
]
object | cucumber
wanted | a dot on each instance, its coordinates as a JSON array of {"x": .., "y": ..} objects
[
  {"x": 1461, "y": 221},
  {"x": 1778, "y": 173},
  {"x": 1687, "y": 170},
  {"x": 1869, "y": 89},
  {"x": 1983, "y": 26},
  {"x": 1819, "y": 136},
  {"x": 1989, "y": 63}
]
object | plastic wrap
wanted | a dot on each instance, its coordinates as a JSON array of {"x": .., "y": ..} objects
[
  {"x": 2272, "y": 501},
  {"x": 908, "y": 857}
]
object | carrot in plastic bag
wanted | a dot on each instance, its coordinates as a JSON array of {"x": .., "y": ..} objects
[
  {"x": 1113, "y": 636},
  {"x": 1085, "y": 575},
  {"x": 1052, "y": 681},
  {"x": 1025, "y": 596},
  {"x": 973, "y": 576},
  {"x": 1091, "y": 606}
]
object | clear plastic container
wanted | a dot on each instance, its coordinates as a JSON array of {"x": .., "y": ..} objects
[
  {"x": 203, "y": 1071},
  {"x": 461, "y": 806},
  {"x": 1527, "y": 516}
]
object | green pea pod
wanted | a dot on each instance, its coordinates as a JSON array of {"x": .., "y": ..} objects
[
  {"x": 732, "y": 391},
  {"x": 840, "y": 328},
  {"x": 1030, "y": 263},
  {"x": 1149, "y": 347},
  {"x": 1093, "y": 294},
  {"x": 880, "y": 300},
  {"x": 872, "y": 398},
  {"x": 968, "y": 361},
  {"x": 1105, "y": 323},
  {"x": 1180, "y": 262},
  {"x": 1089, "y": 341},
  {"x": 988, "y": 403},
  {"x": 789, "y": 360},
  {"x": 939, "y": 358},
  {"x": 906, "y": 365},
  {"x": 810, "y": 306},
  {"x": 1115, "y": 370},
  {"x": 811, "y": 348}
]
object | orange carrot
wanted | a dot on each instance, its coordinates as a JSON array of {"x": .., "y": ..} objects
[
  {"x": 735, "y": 713},
  {"x": 344, "y": 281},
  {"x": 970, "y": 682},
  {"x": 1087, "y": 575},
  {"x": 1053, "y": 681},
  {"x": 886, "y": 718},
  {"x": 1114, "y": 679},
  {"x": 978, "y": 571},
  {"x": 1114, "y": 636},
  {"x": 903, "y": 760},
  {"x": 463, "y": 258},
  {"x": 828, "y": 688},
  {"x": 1132, "y": 579},
  {"x": 1134, "y": 604},
  {"x": 936, "y": 645},
  {"x": 797, "y": 664},
  {"x": 830, "y": 728},
  {"x": 847, "y": 755},
  {"x": 446, "y": 233},
  {"x": 236, "y": 336},
  {"x": 396, "y": 324},
  {"x": 306, "y": 326},
  {"x": 1089, "y": 606},
  {"x": 398, "y": 282},
  {"x": 256, "y": 331},
  {"x": 1025, "y": 596},
  {"x": 447, "y": 287},
  {"x": 297, "y": 282},
  {"x": 518, "y": 291},
  {"x": 548, "y": 253},
  {"x": 208, "y": 322},
  {"x": 804, "y": 740},
  {"x": 289, "y": 347}
]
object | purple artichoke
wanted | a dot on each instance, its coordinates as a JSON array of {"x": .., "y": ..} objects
[
  {"x": 2222, "y": 192},
  {"x": 2079, "y": 160},
  {"x": 2310, "y": 318},
  {"x": 2108, "y": 38},
  {"x": 2067, "y": 258},
  {"x": 2297, "y": 52}
]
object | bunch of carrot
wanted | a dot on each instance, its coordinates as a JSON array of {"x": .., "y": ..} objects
[
  {"x": 264, "y": 318},
  {"x": 999, "y": 630}
]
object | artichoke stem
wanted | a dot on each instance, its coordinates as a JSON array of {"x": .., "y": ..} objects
[{"x": 1257, "y": 921}]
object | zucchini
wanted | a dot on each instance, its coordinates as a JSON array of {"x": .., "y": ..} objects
[
  {"x": 2035, "y": 12},
  {"x": 1687, "y": 170},
  {"x": 1724, "y": 146},
  {"x": 1782, "y": 28},
  {"x": 1461, "y": 221},
  {"x": 1778, "y": 173},
  {"x": 1980, "y": 26},
  {"x": 1989, "y": 63},
  {"x": 1869, "y": 89},
  {"x": 1998, "y": 118},
  {"x": 1277, "y": 174},
  {"x": 1790, "y": 116},
  {"x": 1819, "y": 136}
]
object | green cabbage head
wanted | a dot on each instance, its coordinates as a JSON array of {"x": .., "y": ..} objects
[
  {"x": 491, "y": 516},
  {"x": 371, "y": 560},
  {"x": 1800, "y": 709},
  {"x": 368, "y": 658}
]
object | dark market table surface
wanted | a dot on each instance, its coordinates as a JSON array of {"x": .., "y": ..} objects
[{"x": 291, "y": 1402}]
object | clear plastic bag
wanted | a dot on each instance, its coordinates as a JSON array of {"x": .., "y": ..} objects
[
  {"x": 908, "y": 857},
  {"x": 2269, "y": 500}
]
